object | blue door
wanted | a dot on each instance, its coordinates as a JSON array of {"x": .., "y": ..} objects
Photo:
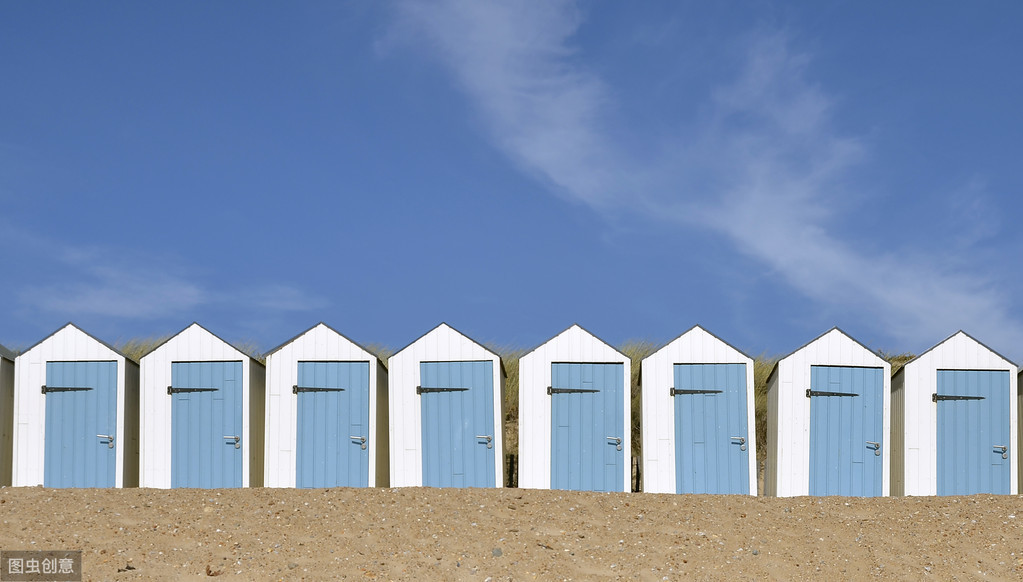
[
  {"x": 973, "y": 431},
  {"x": 587, "y": 424},
  {"x": 846, "y": 434},
  {"x": 457, "y": 404},
  {"x": 206, "y": 424},
  {"x": 81, "y": 422},
  {"x": 333, "y": 424},
  {"x": 711, "y": 452}
]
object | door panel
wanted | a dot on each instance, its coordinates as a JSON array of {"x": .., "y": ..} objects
[
  {"x": 586, "y": 409},
  {"x": 206, "y": 407},
  {"x": 972, "y": 427},
  {"x": 81, "y": 403},
  {"x": 710, "y": 409},
  {"x": 457, "y": 406},
  {"x": 845, "y": 421},
  {"x": 333, "y": 407}
]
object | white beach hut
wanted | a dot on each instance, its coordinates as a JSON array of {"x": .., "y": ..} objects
[
  {"x": 828, "y": 420},
  {"x": 574, "y": 415},
  {"x": 446, "y": 412},
  {"x": 76, "y": 402},
  {"x": 326, "y": 413},
  {"x": 6, "y": 414},
  {"x": 202, "y": 414},
  {"x": 954, "y": 422},
  {"x": 698, "y": 417}
]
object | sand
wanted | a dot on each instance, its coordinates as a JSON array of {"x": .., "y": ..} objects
[{"x": 512, "y": 534}]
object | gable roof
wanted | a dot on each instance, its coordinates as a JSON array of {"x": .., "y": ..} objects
[
  {"x": 836, "y": 328},
  {"x": 935, "y": 346},
  {"x": 590, "y": 333},
  {"x": 6, "y": 353},
  {"x": 443, "y": 323},
  {"x": 704, "y": 330},
  {"x": 236, "y": 348},
  {"x": 355, "y": 343},
  {"x": 94, "y": 338}
]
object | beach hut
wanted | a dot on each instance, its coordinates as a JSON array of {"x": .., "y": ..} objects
[
  {"x": 6, "y": 414},
  {"x": 574, "y": 415},
  {"x": 828, "y": 415},
  {"x": 698, "y": 417},
  {"x": 202, "y": 414},
  {"x": 954, "y": 421},
  {"x": 446, "y": 412},
  {"x": 76, "y": 402},
  {"x": 326, "y": 413}
]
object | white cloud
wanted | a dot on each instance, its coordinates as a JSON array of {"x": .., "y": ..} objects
[
  {"x": 515, "y": 62},
  {"x": 768, "y": 170},
  {"x": 94, "y": 282},
  {"x": 133, "y": 284},
  {"x": 278, "y": 297}
]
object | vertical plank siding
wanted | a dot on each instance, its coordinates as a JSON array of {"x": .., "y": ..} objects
[
  {"x": 323, "y": 357},
  {"x": 54, "y": 433},
  {"x": 669, "y": 441},
  {"x": 457, "y": 423},
  {"x": 585, "y": 425},
  {"x": 845, "y": 428},
  {"x": 412, "y": 415},
  {"x": 710, "y": 413},
  {"x": 333, "y": 424},
  {"x": 934, "y": 433},
  {"x": 537, "y": 441},
  {"x": 6, "y": 415},
  {"x": 206, "y": 425},
  {"x": 790, "y": 421},
  {"x": 81, "y": 404},
  {"x": 973, "y": 435},
  {"x": 156, "y": 419}
]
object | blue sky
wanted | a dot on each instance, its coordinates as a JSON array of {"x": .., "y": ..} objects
[{"x": 764, "y": 169}]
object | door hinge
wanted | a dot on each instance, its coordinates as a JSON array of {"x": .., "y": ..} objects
[
  {"x": 936, "y": 397},
  {"x": 296, "y": 389},
  {"x": 811, "y": 393},
  {"x": 47, "y": 389},
  {"x": 421, "y": 390},
  {"x": 172, "y": 390},
  {"x": 551, "y": 390},
  {"x": 677, "y": 391}
]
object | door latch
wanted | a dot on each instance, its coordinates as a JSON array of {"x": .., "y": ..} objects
[
  {"x": 617, "y": 441},
  {"x": 361, "y": 439},
  {"x": 1004, "y": 449},
  {"x": 742, "y": 442},
  {"x": 107, "y": 437},
  {"x": 237, "y": 440},
  {"x": 876, "y": 447},
  {"x": 488, "y": 438}
]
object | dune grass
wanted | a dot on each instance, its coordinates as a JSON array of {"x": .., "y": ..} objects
[{"x": 135, "y": 348}]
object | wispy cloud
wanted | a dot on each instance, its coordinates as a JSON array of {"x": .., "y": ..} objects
[
  {"x": 137, "y": 285},
  {"x": 279, "y": 297},
  {"x": 515, "y": 61},
  {"x": 96, "y": 284},
  {"x": 767, "y": 170}
]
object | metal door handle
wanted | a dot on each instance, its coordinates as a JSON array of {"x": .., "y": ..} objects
[
  {"x": 876, "y": 447},
  {"x": 1004, "y": 449},
  {"x": 361, "y": 439},
  {"x": 109, "y": 438},
  {"x": 617, "y": 441},
  {"x": 237, "y": 440},
  {"x": 489, "y": 439},
  {"x": 742, "y": 442}
]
